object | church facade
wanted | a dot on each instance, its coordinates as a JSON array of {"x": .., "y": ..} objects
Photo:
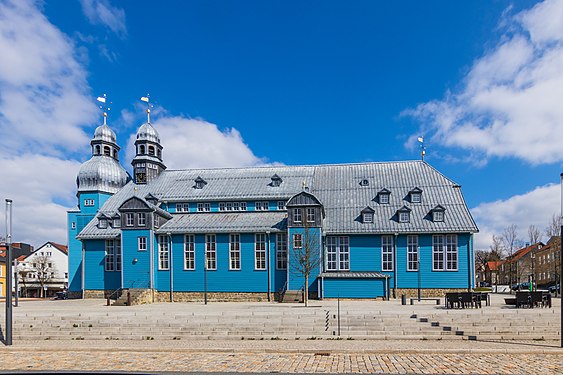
[{"x": 363, "y": 230}]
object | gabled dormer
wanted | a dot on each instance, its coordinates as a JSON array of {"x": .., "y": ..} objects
[
  {"x": 199, "y": 183},
  {"x": 151, "y": 199},
  {"x": 367, "y": 215},
  {"x": 404, "y": 214},
  {"x": 415, "y": 195},
  {"x": 438, "y": 214},
  {"x": 383, "y": 196},
  {"x": 276, "y": 181}
]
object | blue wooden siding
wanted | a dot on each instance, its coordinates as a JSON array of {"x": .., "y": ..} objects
[
  {"x": 354, "y": 288},
  {"x": 247, "y": 279},
  {"x": 75, "y": 249},
  {"x": 296, "y": 281},
  {"x": 96, "y": 278},
  {"x": 136, "y": 264}
]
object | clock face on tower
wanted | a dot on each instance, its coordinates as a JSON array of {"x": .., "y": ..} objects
[{"x": 141, "y": 178}]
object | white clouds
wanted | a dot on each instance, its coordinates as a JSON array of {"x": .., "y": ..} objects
[
  {"x": 535, "y": 207},
  {"x": 44, "y": 101},
  {"x": 510, "y": 102},
  {"x": 103, "y": 13},
  {"x": 193, "y": 143}
]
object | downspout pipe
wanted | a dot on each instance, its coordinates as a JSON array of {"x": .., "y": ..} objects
[
  {"x": 268, "y": 267},
  {"x": 395, "y": 266}
]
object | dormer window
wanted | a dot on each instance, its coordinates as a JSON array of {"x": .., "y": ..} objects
[
  {"x": 367, "y": 215},
  {"x": 416, "y": 195},
  {"x": 438, "y": 213},
  {"x": 199, "y": 183},
  {"x": 276, "y": 181},
  {"x": 364, "y": 182},
  {"x": 383, "y": 196},
  {"x": 116, "y": 221},
  {"x": 404, "y": 215},
  {"x": 103, "y": 223}
]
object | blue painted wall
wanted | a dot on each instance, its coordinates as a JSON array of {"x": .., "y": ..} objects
[
  {"x": 354, "y": 288},
  {"x": 96, "y": 278},
  {"x": 296, "y": 281},
  {"x": 136, "y": 264}
]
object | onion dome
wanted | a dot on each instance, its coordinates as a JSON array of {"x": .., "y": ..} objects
[
  {"x": 147, "y": 132},
  {"x": 102, "y": 173},
  {"x": 104, "y": 133}
]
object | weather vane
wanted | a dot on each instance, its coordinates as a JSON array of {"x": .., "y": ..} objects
[
  {"x": 422, "y": 147},
  {"x": 146, "y": 99},
  {"x": 104, "y": 106}
]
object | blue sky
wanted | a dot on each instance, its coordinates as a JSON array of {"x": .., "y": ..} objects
[{"x": 292, "y": 82}]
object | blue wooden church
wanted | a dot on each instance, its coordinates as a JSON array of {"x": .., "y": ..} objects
[{"x": 363, "y": 230}]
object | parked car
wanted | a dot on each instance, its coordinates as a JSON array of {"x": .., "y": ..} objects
[
  {"x": 521, "y": 286},
  {"x": 553, "y": 288},
  {"x": 484, "y": 284}
]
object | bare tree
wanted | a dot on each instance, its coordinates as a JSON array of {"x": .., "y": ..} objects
[
  {"x": 306, "y": 256},
  {"x": 23, "y": 273},
  {"x": 510, "y": 243},
  {"x": 44, "y": 270},
  {"x": 554, "y": 226},
  {"x": 496, "y": 248},
  {"x": 534, "y": 234}
]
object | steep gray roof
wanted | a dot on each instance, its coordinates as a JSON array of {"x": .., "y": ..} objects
[
  {"x": 337, "y": 187},
  {"x": 220, "y": 222}
]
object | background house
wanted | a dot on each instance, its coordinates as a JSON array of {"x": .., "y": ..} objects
[
  {"x": 43, "y": 272},
  {"x": 546, "y": 263}
]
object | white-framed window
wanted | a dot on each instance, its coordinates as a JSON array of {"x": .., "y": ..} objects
[
  {"x": 444, "y": 252},
  {"x": 281, "y": 205},
  {"x": 337, "y": 253},
  {"x": 155, "y": 220},
  {"x": 142, "y": 219},
  {"x": 438, "y": 215},
  {"x": 367, "y": 217},
  {"x": 129, "y": 219},
  {"x": 384, "y": 198},
  {"x": 412, "y": 253},
  {"x": 142, "y": 243},
  {"x": 112, "y": 261},
  {"x": 243, "y": 206},
  {"x": 116, "y": 222},
  {"x": 204, "y": 207},
  {"x": 234, "y": 252},
  {"x": 297, "y": 241},
  {"x": 260, "y": 251},
  {"x": 281, "y": 251},
  {"x": 261, "y": 206},
  {"x": 211, "y": 251},
  {"x": 416, "y": 197},
  {"x": 163, "y": 252},
  {"x": 236, "y": 206},
  {"x": 189, "y": 252},
  {"x": 229, "y": 206},
  {"x": 387, "y": 250},
  {"x": 404, "y": 217},
  {"x": 222, "y": 206},
  {"x": 297, "y": 215},
  {"x": 310, "y": 214},
  {"x": 182, "y": 207},
  {"x": 103, "y": 223},
  {"x": 73, "y": 225},
  {"x": 89, "y": 202}
]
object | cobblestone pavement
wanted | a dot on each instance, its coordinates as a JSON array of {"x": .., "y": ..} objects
[{"x": 414, "y": 363}]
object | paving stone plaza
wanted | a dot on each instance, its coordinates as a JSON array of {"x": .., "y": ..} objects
[{"x": 375, "y": 337}]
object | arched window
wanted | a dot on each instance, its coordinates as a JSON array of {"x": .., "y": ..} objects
[
  {"x": 98, "y": 150},
  {"x": 107, "y": 151},
  {"x": 159, "y": 154},
  {"x": 142, "y": 149},
  {"x": 151, "y": 150},
  {"x": 114, "y": 153}
]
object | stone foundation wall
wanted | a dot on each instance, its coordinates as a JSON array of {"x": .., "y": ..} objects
[
  {"x": 212, "y": 297},
  {"x": 426, "y": 293},
  {"x": 97, "y": 294}
]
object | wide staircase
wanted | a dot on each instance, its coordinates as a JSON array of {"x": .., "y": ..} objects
[
  {"x": 126, "y": 323},
  {"x": 505, "y": 325}
]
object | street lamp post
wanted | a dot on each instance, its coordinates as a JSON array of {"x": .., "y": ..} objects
[
  {"x": 561, "y": 258},
  {"x": 8, "y": 333}
]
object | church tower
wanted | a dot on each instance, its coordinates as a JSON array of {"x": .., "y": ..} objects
[{"x": 147, "y": 163}]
